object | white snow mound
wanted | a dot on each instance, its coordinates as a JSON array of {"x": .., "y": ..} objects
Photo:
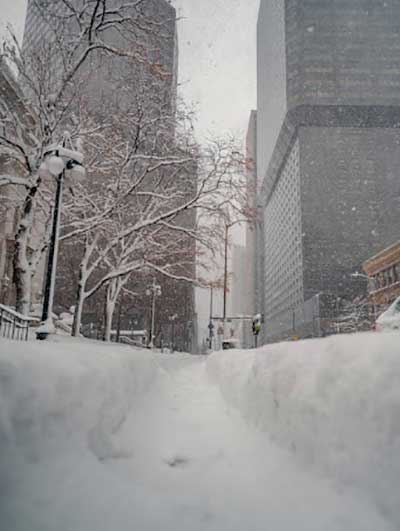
[
  {"x": 334, "y": 403},
  {"x": 84, "y": 390}
]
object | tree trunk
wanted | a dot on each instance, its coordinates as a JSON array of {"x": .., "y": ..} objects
[
  {"x": 110, "y": 307},
  {"x": 113, "y": 291},
  {"x": 23, "y": 287},
  {"x": 22, "y": 267},
  {"x": 81, "y": 294},
  {"x": 80, "y": 299}
]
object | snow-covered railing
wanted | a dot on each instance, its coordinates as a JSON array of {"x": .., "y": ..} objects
[
  {"x": 131, "y": 342},
  {"x": 14, "y": 325}
]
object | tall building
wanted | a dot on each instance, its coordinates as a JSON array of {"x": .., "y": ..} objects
[
  {"x": 148, "y": 82},
  {"x": 252, "y": 295},
  {"x": 50, "y": 25},
  {"x": 327, "y": 151}
]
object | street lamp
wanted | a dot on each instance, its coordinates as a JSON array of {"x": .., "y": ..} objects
[
  {"x": 227, "y": 227},
  {"x": 57, "y": 160},
  {"x": 211, "y": 324},
  {"x": 155, "y": 291},
  {"x": 172, "y": 319}
]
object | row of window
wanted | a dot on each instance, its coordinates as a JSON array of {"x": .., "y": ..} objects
[
  {"x": 386, "y": 278},
  {"x": 283, "y": 257}
]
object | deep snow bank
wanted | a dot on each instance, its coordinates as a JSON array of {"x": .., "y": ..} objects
[
  {"x": 335, "y": 403},
  {"x": 52, "y": 392}
]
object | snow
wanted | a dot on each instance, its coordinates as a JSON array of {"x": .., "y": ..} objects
[
  {"x": 12, "y": 312},
  {"x": 333, "y": 403},
  {"x": 46, "y": 327},
  {"x": 390, "y": 319},
  {"x": 100, "y": 437},
  {"x": 66, "y": 318}
]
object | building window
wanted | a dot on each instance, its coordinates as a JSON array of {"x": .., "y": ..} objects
[
  {"x": 283, "y": 273},
  {"x": 396, "y": 273}
]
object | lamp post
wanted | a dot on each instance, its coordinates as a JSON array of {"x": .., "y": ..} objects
[
  {"x": 225, "y": 271},
  {"x": 172, "y": 319},
  {"x": 155, "y": 291},
  {"x": 57, "y": 160},
  {"x": 211, "y": 324}
]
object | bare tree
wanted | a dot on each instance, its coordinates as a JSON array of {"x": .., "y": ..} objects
[
  {"x": 53, "y": 81},
  {"x": 152, "y": 210}
]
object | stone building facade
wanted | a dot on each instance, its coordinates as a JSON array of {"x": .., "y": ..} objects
[{"x": 327, "y": 151}]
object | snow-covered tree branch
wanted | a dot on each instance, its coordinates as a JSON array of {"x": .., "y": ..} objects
[{"x": 51, "y": 83}]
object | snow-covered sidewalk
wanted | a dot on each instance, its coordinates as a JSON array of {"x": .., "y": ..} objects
[{"x": 104, "y": 438}]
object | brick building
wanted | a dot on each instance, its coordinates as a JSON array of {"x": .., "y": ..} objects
[{"x": 383, "y": 270}]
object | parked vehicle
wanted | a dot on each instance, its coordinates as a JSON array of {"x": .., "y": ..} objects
[{"x": 390, "y": 319}]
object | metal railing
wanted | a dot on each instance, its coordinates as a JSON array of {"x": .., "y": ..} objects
[{"x": 14, "y": 325}]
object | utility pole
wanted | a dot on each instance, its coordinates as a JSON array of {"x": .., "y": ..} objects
[
  {"x": 210, "y": 324},
  {"x": 225, "y": 271}
]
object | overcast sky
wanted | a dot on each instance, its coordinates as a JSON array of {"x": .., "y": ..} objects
[
  {"x": 217, "y": 40},
  {"x": 217, "y": 48}
]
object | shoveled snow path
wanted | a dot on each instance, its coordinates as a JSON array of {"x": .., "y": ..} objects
[
  {"x": 196, "y": 465},
  {"x": 180, "y": 461}
]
